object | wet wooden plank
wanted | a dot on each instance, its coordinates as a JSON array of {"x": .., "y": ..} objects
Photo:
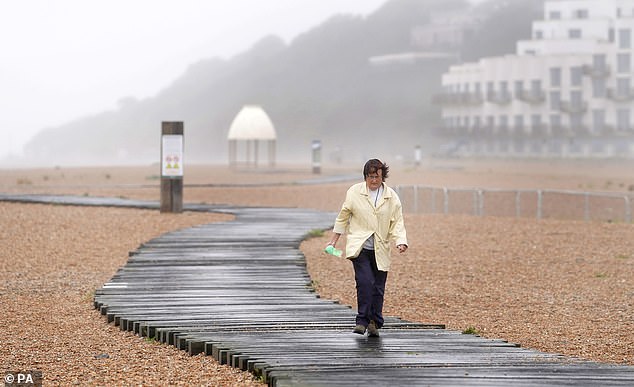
[{"x": 307, "y": 341}]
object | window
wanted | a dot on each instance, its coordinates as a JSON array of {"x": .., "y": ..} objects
[
  {"x": 625, "y": 38},
  {"x": 575, "y": 76},
  {"x": 555, "y": 100},
  {"x": 555, "y": 121},
  {"x": 539, "y": 34},
  {"x": 576, "y": 99},
  {"x": 623, "y": 87},
  {"x": 490, "y": 122},
  {"x": 574, "y": 33},
  {"x": 536, "y": 85},
  {"x": 576, "y": 121},
  {"x": 490, "y": 90},
  {"x": 476, "y": 122},
  {"x": 598, "y": 61},
  {"x": 611, "y": 35},
  {"x": 519, "y": 87},
  {"x": 582, "y": 14},
  {"x": 598, "y": 88},
  {"x": 598, "y": 120},
  {"x": 623, "y": 63},
  {"x": 519, "y": 122},
  {"x": 504, "y": 90},
  {"x": 504, "y": 122},
  {"x": 536, "y": 121},
  {"x": 623, "y": 119},
  {"x": 554, "y": 15},
  {"x": 555, "y": 77}
]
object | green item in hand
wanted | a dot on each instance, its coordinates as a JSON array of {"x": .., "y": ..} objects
[{"x": 330, "y": 249}]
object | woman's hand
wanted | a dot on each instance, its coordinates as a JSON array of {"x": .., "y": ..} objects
[{"x": 401, "y": 248}]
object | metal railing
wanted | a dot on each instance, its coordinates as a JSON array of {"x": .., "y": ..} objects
[{"x": 540, "y": 204}]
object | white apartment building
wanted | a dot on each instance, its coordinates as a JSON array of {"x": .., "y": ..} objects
[{"x": 567, "y": 92}]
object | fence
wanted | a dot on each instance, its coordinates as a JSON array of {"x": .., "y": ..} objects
[{"x": 538, "y": 204}]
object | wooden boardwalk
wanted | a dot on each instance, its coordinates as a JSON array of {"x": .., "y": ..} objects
[{"x": 239, "y": 291}]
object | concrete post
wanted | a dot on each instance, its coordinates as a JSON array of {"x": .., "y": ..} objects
[{"x": 316, "y": 156}]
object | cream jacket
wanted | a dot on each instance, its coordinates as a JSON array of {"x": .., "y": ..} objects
[{"x": 360, "y": 219}]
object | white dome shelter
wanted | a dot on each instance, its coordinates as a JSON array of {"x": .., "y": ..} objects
[{"x": 251, "y": 126}]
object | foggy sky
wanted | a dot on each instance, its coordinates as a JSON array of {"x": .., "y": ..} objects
[{"x": 65, "y": 59}]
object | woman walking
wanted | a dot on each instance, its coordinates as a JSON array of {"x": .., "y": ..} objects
[{"x": 372, "y": 217}]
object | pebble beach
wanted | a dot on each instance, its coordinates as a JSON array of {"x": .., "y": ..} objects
[{"x": 560, "y": 286}]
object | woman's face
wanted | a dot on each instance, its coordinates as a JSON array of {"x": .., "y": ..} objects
[{"x": 374, "y": 179}]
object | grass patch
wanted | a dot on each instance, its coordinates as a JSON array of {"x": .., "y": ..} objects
[
  {"x": 600, "y": 275},
  {"x": 312, "y": 286},
  {"x": 24, "y": 181},
  {"x": 623, "y": 257},
  {"x": 89, "y": 296},
  {"x": 471, "y": 331},
  {"x": 315, "y": 233}
]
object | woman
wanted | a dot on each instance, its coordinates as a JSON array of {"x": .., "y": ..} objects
[{"x": 372, "y": 217}]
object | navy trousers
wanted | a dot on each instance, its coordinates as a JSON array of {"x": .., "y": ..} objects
[{"x": 370, "y": 289}]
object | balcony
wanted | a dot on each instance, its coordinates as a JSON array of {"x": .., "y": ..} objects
[
  {"x": 605, "y": 129},
  {"x": 474, "y": 98},
  {"x": 458, "y": 99},
  {"x": 532, "y": 96},
  {"x": 596, "y": 71},
  {"x": 573, "y": 107},
  {"x": 499, "y": 97},
  {"x": 582, "y": 130},
  {"x": 611, "y": 130},
  {"x": 538, "y": 130},
  {"x": 560, "y": 130},
  {"x": 452, "y": 130},
  {"x": 624, "y": 131},
  {"x": 621, "y": 95},
  {"x": 446, "y": 99}
]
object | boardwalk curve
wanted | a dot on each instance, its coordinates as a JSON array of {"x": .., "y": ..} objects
[{"x": 239, "y": 291}]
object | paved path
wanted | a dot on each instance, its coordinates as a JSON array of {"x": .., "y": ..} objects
[{"x": 239, "y": 291}]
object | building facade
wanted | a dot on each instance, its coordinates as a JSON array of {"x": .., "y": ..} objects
[{"x": 567, "y": 92}]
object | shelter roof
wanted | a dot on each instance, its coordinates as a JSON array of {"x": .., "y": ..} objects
[{"x": 252, "y": 123}]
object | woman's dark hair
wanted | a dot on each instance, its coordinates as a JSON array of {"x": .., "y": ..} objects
[{"x": 373, "y": 165}]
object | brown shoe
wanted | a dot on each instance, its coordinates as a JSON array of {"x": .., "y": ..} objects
[
  {"x": 359, "y": 329},
  {"x": 373, "y": 331}
]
